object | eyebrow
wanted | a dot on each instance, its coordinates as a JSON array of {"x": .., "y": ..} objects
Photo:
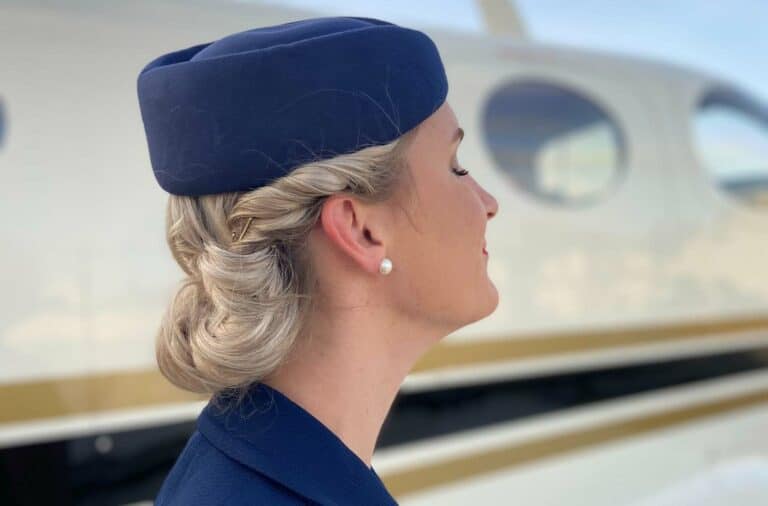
[{"x": 458, "y": 135}]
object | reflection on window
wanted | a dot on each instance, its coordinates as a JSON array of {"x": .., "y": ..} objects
[
  {"x": 732, "y": 141},
  {"x": 554, "y": 143}
]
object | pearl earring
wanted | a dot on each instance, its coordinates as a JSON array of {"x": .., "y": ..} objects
[{"x": 386, "y": 266}]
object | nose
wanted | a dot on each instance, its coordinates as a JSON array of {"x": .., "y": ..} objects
[{"x": 491, "y": 205}]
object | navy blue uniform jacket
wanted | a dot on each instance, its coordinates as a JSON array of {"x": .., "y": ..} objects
[{"x": 268, "y": 451}]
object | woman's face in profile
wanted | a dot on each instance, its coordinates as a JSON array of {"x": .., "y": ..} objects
[{"x": 442, "y": 248}]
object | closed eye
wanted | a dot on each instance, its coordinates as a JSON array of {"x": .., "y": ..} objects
[{"x": 461, "y": 172}]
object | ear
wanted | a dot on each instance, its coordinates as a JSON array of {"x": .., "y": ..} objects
[{"x": 355, "y": 230}]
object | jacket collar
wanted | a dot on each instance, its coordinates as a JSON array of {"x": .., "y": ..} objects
[{"x": 271, "y": 434}]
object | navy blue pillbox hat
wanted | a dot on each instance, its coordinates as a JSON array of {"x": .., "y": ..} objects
[{"x": 239, "y": 112}]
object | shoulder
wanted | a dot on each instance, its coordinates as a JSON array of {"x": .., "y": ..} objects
[{"x": 203, "y": 475}]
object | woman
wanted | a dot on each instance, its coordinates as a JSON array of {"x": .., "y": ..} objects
[{"x": 330, "y": 238}]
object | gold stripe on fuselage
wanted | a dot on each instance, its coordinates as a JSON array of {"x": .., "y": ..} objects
[
  {"x": 50, "y": 398},
  {"x": 539, "y": 345}
]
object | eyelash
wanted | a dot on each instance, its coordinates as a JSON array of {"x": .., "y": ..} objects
[{"x": 463, "y": 173}]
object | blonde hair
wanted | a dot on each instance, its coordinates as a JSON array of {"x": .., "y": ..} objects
[{"x": 237, "y": 314}]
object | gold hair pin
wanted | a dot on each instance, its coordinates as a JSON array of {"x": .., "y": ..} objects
[{"x": 245, "y": 229}]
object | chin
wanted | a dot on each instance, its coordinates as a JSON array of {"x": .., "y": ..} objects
[
  {"x": 493, "y": 299},
  {"x": 486, "y": 306}
]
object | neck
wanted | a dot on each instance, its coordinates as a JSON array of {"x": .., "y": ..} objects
[{"x": 349, "y": 371}]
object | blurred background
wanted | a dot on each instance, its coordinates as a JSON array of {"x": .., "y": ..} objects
[{"x": 627, "y": 361}]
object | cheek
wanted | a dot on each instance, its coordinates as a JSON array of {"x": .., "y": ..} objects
[
  {"x": 461, "y": 222},
  {"x": 447, "y": 227},
  {"x": 428, "y": 252},
  {"x": 451, "y": 239},
  {"x": 452, "y": 228}
]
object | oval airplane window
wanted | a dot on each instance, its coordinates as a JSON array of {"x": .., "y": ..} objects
[
  {"x": 553, "y": 142},
  {"x": 732, "y": 142}
]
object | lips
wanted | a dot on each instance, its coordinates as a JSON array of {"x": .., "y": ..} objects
[{"x": 485, "y": 252}]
